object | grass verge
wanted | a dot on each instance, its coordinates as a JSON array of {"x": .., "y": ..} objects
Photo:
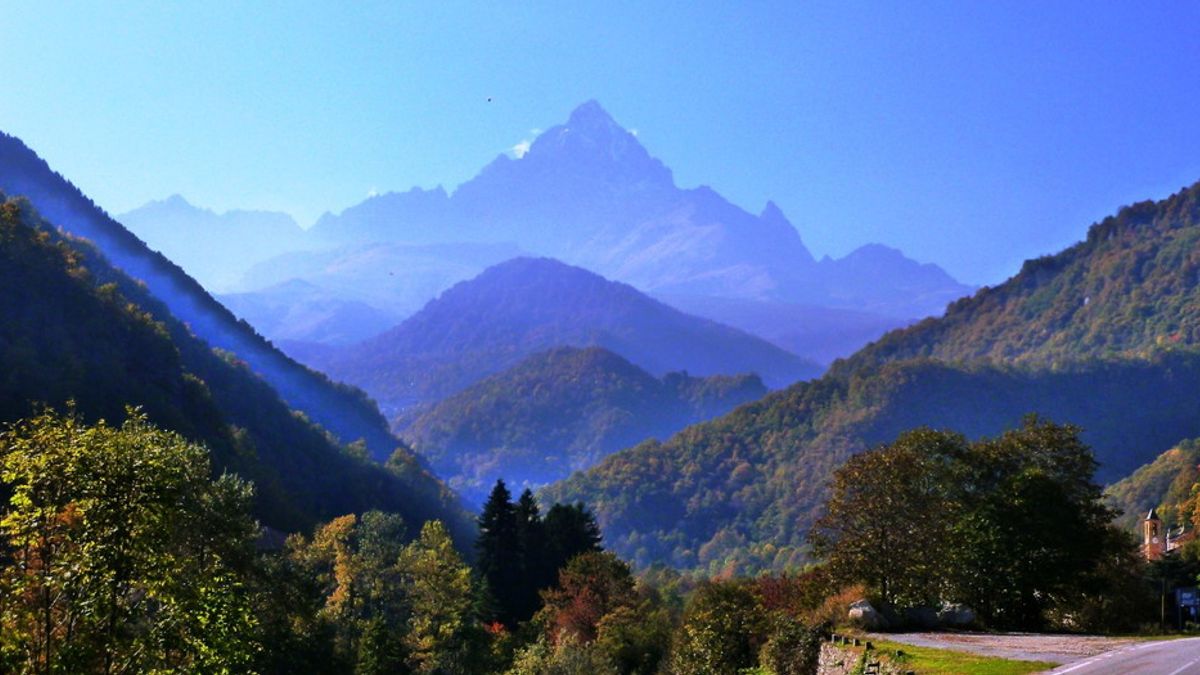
[{"x": 930, "y": 661}]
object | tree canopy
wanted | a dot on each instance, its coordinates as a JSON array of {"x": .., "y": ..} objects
[
  {"x": 1013, "y": 526},
  {"x": 121, "y": 554}
]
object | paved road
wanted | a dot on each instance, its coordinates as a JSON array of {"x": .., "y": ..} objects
[{"x": 1172, "y": 657}]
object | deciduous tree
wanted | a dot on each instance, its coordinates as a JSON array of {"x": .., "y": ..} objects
[{"x": 123, "y": 554}]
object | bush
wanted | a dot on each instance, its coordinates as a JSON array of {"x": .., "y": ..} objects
[
  {"x": 791, "y": 649},
  {"x": 835, "y": 610}
]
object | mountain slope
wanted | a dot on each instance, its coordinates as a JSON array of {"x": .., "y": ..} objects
[
  {"x": 1131, "y": 288},
  {"x": 559, "y": 411},
  {"x": 343, "y": 411},
  {"x": 526, "y": 305},
  {"x": 587, "y": 192},
  {"x": 78, "y": 330},
  {"x": 214, "y": 249},
  {"x": 1162, "y": 484},
  {"x": 743, "y": 489}
]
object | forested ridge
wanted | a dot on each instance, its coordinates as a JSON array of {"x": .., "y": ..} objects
[
  {"x": 343, "y": 410},
  {"x": 1130, "y": 289},
  {"x": 739, "y": 493},
  {"x": 1100, "y": 336},
  {"x": 563, "y": 410},
  {"x": 76, "y": 329}
]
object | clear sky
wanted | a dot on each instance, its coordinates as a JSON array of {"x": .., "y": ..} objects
[{"x": 970, "y": 134}]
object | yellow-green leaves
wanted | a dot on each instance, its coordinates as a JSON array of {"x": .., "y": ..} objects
[{"x": 125, "y": 556}]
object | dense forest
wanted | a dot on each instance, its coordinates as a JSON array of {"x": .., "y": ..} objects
[
  {"x": 122, "y": 553},
  {"x": 740, "y": 492},
  {"x": 77, "y": 330},
  {"x": 561, "y": 411}
]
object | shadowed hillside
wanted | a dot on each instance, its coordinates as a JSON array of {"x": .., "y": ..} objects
[
  {"x": 78, "y": 330},
  {"x": 561, "y": 411},
  {"x": 342, "y": 410}
]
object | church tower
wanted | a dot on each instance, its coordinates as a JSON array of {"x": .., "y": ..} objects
[{"x": 1154, "y": 537}]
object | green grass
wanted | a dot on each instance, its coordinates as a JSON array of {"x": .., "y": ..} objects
[{"x": 930, "y": 661}]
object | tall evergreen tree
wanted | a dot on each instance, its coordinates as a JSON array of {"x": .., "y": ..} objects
[
  {"x": 500, "y": 553},
  {"x": 521, "y": 553},
  {"x": 536, "y": 573}
]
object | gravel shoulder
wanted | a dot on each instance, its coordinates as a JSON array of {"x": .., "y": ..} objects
[{"x": 1059, "y": 649}]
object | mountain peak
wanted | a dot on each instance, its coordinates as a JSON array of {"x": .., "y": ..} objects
[
  {"x": 590, "y": 125},
  {"x": 175, "y": 202},
  {"x": 772, "y": 212},
  {"x": 877, "y": 253},
  {"x": 171, "y": 206},
  {"x": 590, "y": 114},
  {"x": 595, "y": 146}
]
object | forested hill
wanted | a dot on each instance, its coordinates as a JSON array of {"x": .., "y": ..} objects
[
  {"x": 1101, "y": 335},
  {"x": 560, "y": 411},
  {"x": 740, "y": 492},
  {"x": 1162, "y": 484},
  {"x": 526, "y": 305},
  {"x": 1130, "y": 289},
  {"x": 342, "y": 410},
  {"x": 76, "y": 329}
]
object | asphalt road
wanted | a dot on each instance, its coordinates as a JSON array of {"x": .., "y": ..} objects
[{"x": 1172, "y": 657}]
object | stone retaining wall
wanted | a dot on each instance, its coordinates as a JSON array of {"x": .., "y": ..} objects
[{"x": 843, "y": 660}]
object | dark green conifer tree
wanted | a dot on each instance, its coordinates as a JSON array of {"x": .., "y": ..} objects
[
  {"x": 531, "y": 539},
  {"x": 570, "y": 530},
  {"x": 500, "y": 553}
]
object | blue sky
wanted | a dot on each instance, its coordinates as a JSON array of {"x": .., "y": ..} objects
[{"x": 973, "y": 135}]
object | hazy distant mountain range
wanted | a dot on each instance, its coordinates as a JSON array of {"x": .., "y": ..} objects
[
  {"x": 299, "y": 310},
  {"x": 395, "y": 279},
  {"x": 526, "y": 305},
  {"x": 586, "y": 193},
  {"x": 822, "y": 334},
  {"x": 589, "y": 194},
  {"x": 215, "y": 249}
]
